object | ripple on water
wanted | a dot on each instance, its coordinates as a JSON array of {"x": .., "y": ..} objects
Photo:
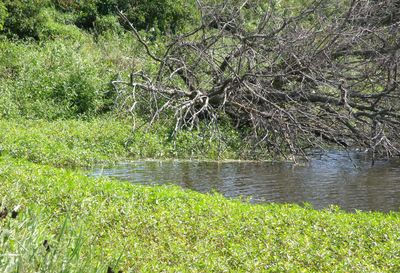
[{"x": 333, "y": 178}]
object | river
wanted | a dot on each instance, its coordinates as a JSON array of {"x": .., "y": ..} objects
[{"x": 334, "y": 178}]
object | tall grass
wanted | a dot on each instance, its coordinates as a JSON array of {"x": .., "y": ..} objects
[
  {"x": 107, "y": 140},
  {"x": 27, "y": 245}
]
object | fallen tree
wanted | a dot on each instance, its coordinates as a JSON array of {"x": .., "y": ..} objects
[{"x": 294, "y": 78}]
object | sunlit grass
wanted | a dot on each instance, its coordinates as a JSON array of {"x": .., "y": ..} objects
[
  {"x": 92, "y": 224},
  {"x": 107, "y": 139}
]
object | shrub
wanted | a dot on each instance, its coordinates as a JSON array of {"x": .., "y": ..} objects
[
  {"x": 107, "y": 23},
  {"x": 57, "y": 25},
  {"x": 23, "y": 18},
  {"x": 164, "y": 15},
  {"x": 56, "y": 79}
]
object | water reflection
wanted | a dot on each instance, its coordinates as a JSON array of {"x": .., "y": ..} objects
[{"x": 334, "y": 178}]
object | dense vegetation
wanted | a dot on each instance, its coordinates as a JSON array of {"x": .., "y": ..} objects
[
  {"x": 55, "y": 68},
  {"x": 58, "y": 57},
  {"x": 107, "y": 140},
  {"x": 43, "y": 19},
  {"x": 288, "y": 75},
  {"x": 72, "y": 223},
  {"x": 299, "y": 78},
  {"x": 60, "y": 109}
]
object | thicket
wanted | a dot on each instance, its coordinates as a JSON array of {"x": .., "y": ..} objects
[
  {"x": 57, "y": 79},
  {"x": 29, "y": 19},
  {"x": 58, "y": 57},
  {"x": 57, "y": 62},
  {"x": 299, "y": 77}
]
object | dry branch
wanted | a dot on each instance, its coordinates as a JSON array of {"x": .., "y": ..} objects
[{"x": 316, "y": 76}]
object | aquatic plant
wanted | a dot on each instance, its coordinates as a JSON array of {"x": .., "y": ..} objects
[{"x": 72, "y": 223}]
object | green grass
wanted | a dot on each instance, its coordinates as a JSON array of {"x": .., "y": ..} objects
[
  {"x": 61, "y": 143},
  {"x": 92, "y": 224},
  {"x": 87, "y": 142}
]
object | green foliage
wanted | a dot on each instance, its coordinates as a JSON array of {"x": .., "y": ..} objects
[
  {"x": 83, "y": 143},
  {"x": 40, "y": 19},
  {"x": 61, "y": 143},
  {"x": 86, "y": 15},
  {"x": 57, "y": 79},
  {"x": 164, "y": 15},
  {"x": 3, "y": 15},
  {"x": 56, "y": 25},
  {"x": 166, "y": 229},
  {"x": 66, "y": 74},
  {"x": 66, "y": 5},
  {"x": 88, "y": 12},
  {"x": 108, "y": 23},
  {"x": 31, "y": 239},
  {"x": 219, "y": 144},
  {"x": 23, "y": 17}
]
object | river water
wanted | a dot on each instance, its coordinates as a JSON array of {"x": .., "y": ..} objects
[{"x": 335, "y": 178}]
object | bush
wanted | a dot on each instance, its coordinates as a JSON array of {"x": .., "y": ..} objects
[
  {"x": 23, "y": 18},
  {"x": 107, "y": 23},
  {"x": 39, "y": 19},
  {"x": 164, "y": 15},
  {"x": 56, "y": 79},
  {"x": 56, "y": 25}
]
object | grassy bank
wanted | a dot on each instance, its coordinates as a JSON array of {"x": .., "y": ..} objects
[
  {"x": 72, "y": 223},
  {"x": 83, "y": 143}
]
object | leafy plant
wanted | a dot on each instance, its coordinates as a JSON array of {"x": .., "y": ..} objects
[
  {"x": 57, "y": 79},
  {"x": 92, "y": 224},
  {"x": 23, "y": 17}
]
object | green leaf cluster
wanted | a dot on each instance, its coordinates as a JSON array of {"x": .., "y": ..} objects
[{"x": 3, "y": 15}]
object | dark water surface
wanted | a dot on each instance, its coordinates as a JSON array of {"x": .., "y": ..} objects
[{"x": 333, "y": 178}]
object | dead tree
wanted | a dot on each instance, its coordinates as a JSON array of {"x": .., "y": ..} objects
[{"x": 298, "y": 79}]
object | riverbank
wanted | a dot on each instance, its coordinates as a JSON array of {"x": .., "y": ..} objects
[
  {"x": 80, "y": 143},
  {"x": 68, "y": 221}
]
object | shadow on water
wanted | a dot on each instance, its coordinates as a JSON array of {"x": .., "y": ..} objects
[{"x": 334, "y": 178}]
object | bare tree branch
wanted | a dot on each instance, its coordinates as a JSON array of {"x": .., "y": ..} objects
[{"x": 298, "y": 80}]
